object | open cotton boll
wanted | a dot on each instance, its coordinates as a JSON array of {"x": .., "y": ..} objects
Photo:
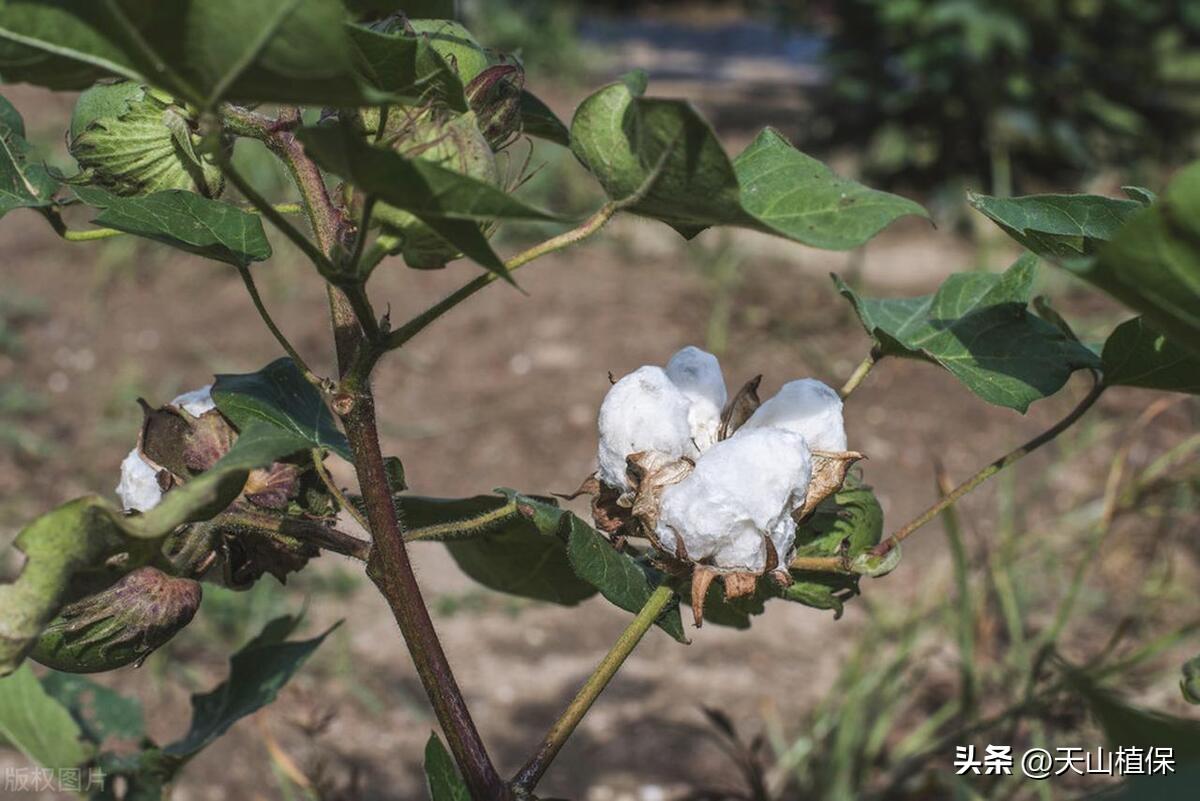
[
  {"x": 196, "y": 402},
  {"x": 741, "y": 489},
  {"x": 138, "y": 488},
  {"x": 697, "y": 373},
  {"x": 644, "y": 411},
  {"x": 807, "y": 407}
]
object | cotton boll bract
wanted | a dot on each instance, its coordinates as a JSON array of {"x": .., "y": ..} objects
[
  {"x": 742, "y": 489},
  {"x": 138, "y": 488},
  {"x": 697, "y": 373},
  {"x": 196, "y": 402},
  {"x": 644, "y": 411},
  {"x": 807, "y": 407}
]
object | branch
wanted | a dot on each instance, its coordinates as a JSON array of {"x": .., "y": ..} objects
[
  {"x": 287, "y": 346},
  {"x": 861, "y": 372},
  {"x": 336, "y": 491},
  {"x": 562, "y": 729},
  {"x": 391, "y": 570},
  {"x": 995, "y": 467}
]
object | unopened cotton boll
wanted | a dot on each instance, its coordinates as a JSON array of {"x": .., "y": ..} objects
[
  {"x": 196, "y": 402},
  {"x": 644, "y": 411},
  {"x": 807, "y": 407},
  {"x": 697, "y": 373},
  {"x": 138, "y": 488},
  {"x": 741, "y": 489}
]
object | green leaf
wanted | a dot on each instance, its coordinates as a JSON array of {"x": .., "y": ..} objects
[
  {"x": 187, "y": 221},
  {"x": 287, "y": 51},
  {"x": 34, "y": 722},
  {"x": 1189, "y": 683},
  {"x": 257, "y": 672},
  {"x": 451, "y": 203},
  {"x": 281, "y": 398},
  {"x": 406, "y": 67},
  {"x": 622, "y": 579},
  {"x": 1057, "y": 226},
  {"x": 538, "y": 120},
  {"x": 102, "y": 713},
  {"x": 509, "y": 543},
  {"x": 1135, "y": 355},
  {"x": 70, "y": 545},
  {"x": 22, "y": 184},
  {"x": 622, "y": 137},
  {"x": 1153, "y": 262},
  {"x": 1179, "y": 785},
  {"x": 441, "y": 774},
  {"x": 978, "y": 326}
]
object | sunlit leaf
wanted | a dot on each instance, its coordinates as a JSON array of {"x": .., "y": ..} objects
[
  {"x": 978, "y": 326},
  {"x": 622, "y": 137},
  {"x": 187, "y": 221},
  {"x": 1057, "y": 226}
]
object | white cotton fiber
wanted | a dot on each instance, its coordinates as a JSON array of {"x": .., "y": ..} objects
[
  {"x": 644, "y": 411},
  {"x": 697, "y": 373},
  {"x": 196, "y": 402},
  {"x": 807, "y": 407},
  {"x": 138, "y": 488},
  {"x": 741, "y": 488}
]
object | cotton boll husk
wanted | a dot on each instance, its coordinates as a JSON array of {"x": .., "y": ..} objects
[
  {"x": 138, "y": 488},
  {"x": 644, "y": 411},
  {"x": 741, "y": 489},
  {"x": 697, "y": 373},
  {"x": 807, "y": 407},
  {"x": 196, "y": 402}
]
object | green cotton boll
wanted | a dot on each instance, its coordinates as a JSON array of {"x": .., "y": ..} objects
[
  {"x": 133, "y": 140},
  {"x": 452, "y": 141},
  {"x": 119, "y": 626},
  {"x": 455, "y": 45}
]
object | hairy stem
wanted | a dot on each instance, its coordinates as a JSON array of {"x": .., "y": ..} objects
[
  {"x": 562, "y": 729},
  {"x": 389, "y": 567},
  {"x": 289, "y": 349}
]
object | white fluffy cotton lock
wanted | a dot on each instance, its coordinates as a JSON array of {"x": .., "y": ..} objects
[
  {"x": 196, "y": 402},
  {"x": 742, "y": 489},
  {"x": 138, "y": 488},
  {"x": 807, "y": 407},
  {"x": 644, "y": 411},
  {"x": 697, "y": 373}
]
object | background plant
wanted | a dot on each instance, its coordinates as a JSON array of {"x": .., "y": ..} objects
[{"x": 219, "y": 83}]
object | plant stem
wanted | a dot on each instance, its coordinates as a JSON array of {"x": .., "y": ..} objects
[
  {"x": 992, "y": 469},
  {"x": 391, "y": 571},
  {"x": 336, "y": 491},
  {"x": 833, "y": 564},
  {"x": 562, "y": 729},
  {"x": 860, "y": 373},
  {"x": 418, "y": 324},
  {"x": 287, "y": 346}
]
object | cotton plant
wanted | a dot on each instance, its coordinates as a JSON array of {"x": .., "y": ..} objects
[
  {"x": 399, "y": 133},
  {"x": 717, "y": 486}
]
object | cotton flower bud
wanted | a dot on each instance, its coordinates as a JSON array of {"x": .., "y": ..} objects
[
  {"x": 697, "y": 373},
  {"x": 495, "y": 97},
  {"x": 734, "y": 511},
  {"x": 134, "y": 140},
  {"x": 450, "y": 140},
  {"x": 121, "y": 625},
  {"x": 455, "y": 44},
  {"x": 806, "y": 407},
  {"x": 644, "y": 411}
]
